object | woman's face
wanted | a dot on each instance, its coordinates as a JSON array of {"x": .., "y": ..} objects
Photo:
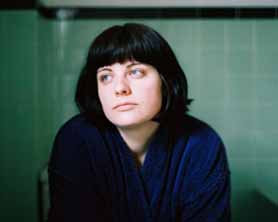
[{"x": 130, "y": 93}]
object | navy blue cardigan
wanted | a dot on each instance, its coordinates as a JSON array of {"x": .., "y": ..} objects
[{"x": 93, "y": 176}]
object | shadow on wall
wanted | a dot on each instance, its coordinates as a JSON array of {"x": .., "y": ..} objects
[
  {"x": 265, "y": 210},
  {"x": 253, "y": 206}
]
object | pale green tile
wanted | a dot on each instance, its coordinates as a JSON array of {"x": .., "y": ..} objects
[
  {"x": 212, "y": 113},
  {"x": 239, "y": 35},
  {"x": 212, "y": 64},
  {"x": 239, "y": 143},
  {"x": 241, "y": 91},
  {"x": 266, "y": 144},
  {"x": 266, "y": 34},
  {"x": 266, "y": 88},
  {"x": 240, "y": 63},
  {"x": 266, "y": 116},
  {"x": 266, "y": 61},
  {"x": 180, "y": 36},
  {"x": 74, "y": 60},
  {"x": 213, "y": 88},
  {"x": 212, "y": 35}
]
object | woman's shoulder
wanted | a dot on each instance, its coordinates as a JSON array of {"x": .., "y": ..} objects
[
  {"x": 69, "y": 154},
  {"x": 77, "y": 127},
  {"x": 202, "y": 140},
  {"x": 204, "y": 148},
  {"x": 73, "y": 136},
  {"x": 204, "y": 161}
]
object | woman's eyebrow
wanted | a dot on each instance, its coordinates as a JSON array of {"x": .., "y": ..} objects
[
  {"x": 133, "y": 64},
  {"x": 128, "y": 66},
  {"x": 103, "y": 69}
]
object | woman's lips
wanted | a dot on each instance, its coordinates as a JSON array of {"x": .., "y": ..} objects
[{"x": 124, "y": 106}]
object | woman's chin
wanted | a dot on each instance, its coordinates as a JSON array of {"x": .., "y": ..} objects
[
  {"x": 126, "y": 123},
  {"x": 131, "y": 119}
]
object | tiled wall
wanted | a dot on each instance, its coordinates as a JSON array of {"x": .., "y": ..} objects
[
  {"x": 231, "y": 66},
  {"x": 18, "y": 87}
]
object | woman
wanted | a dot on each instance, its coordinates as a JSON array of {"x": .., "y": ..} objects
[{"x": 133, "y": 153}]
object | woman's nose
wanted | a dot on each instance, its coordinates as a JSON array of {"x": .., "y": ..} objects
[{"x": 122, "y": 87}]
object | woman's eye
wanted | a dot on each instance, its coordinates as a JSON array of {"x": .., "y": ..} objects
[
  {"x": 136, "y": 73},
  {"x": 105, "y": 78}
]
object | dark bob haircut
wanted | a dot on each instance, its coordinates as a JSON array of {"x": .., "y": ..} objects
[{"x": 133, "y": 42}]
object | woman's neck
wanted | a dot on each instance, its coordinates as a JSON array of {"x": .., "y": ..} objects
[{"x": 138, "y": 137}]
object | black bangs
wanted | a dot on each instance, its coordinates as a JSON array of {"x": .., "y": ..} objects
[{"x": 122, "y": 43}]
